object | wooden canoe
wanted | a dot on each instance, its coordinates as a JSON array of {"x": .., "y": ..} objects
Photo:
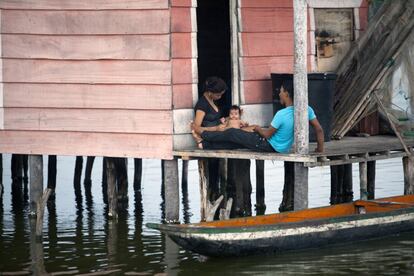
[{"x": 308, "y": 228}]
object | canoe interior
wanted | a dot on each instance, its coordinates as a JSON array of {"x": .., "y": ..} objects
[{"x": 347, "y": 209}]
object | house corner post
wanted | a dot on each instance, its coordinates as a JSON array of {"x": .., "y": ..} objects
[{"x": 300, "y": 83}]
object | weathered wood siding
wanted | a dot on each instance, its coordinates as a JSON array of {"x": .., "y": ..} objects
[
  {"x": 266, "y": 43},
  {"x": 266, "y": 46},
  {"x": 90, "y": 77},
  {"x": 184, "y": 68}
]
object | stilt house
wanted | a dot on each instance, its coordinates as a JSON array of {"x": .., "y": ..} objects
[{"x": 120, "y": 78}]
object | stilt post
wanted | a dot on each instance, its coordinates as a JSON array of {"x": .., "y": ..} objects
[
  {"x": 371, "y": 179},
  {"x": 202, "y": 169},
  {"x": 408, "y": 175},
  {"x": 172, "y": 195},
  {"x": 41, "y": 211},
  {"x": 137, "y": 174},
  {"x": 36, "y": 181},
  {"x": 111, "y": 188},
  {"x": 300, "y": 83},
  {"x": 260, "y": 188},
  {"x": 1, "y": 175},
  {"x": 87, "y": 182},
  {"x": 363, "y": 180}
]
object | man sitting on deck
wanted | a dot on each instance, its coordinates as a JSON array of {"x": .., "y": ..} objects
[{"x": 278, "y": 137}]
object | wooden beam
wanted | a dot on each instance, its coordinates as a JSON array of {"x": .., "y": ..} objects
[
  {"x": 260, "y": 187},
  {"x": 300, "y": 83},
  {"x": 408, "y": 168},
  {"x": 363, "y": 180},
  {"x": 393, "y": 126},
  {"x": 235, "y": 67},
  {"x": 202, "y": 169},
  {"x": 371, "y": 179},
  {"x": 300, "y": 194},
  {"x": 83, "y": 5},
  {"x": 36, "y": 181},
  {"x": 172, "y": 195},
  {"x": 111, "y": 188},
  {"x": 41, "y": 210}
]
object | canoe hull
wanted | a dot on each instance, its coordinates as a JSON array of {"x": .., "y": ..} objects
[{"x": 280, "y": 238}]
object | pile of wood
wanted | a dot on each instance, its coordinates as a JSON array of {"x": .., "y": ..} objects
[{"x": 368, "y": 63}]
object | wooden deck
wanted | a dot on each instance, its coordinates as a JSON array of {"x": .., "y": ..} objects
[{"x": 345, "y": 151}]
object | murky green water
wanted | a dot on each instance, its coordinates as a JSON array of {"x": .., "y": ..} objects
[{"x": 78, "y": 239}]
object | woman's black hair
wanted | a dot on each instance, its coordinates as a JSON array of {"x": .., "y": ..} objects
[{"x": 215, "y": 85}]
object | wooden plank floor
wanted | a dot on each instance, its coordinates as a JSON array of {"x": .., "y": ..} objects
[{"x": 337, "y": 152}]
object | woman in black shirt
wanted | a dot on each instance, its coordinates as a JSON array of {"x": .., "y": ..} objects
[{"x": 207, "y": 113}]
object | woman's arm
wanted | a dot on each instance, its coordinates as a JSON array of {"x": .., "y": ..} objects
[{"x": 198, "y": 120}]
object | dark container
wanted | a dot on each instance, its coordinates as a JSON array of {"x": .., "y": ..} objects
[{"x": 321, "y": 89}]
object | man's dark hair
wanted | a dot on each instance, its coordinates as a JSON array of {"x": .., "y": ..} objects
[
  {"x": 215, "y": 85},
  {"x": 288, "y": 86}
]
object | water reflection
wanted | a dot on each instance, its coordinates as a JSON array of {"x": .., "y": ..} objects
[{"x": 79, "y": 239}]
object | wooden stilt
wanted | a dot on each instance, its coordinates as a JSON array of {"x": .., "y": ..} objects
[
  {"x": 122, "y": 178},
  {"x": 239, "y": 181},
  {"x": 104, "y": 180},
  {"x": 171, "y": 186},
  {"x": 260, "y": 188},
  {"x": 287, "y": 200},
  {"x": 363, "y": 181},
  {"x": 111, "y": 188},
  {"x": 334, "y": 185},
  {"x": 40, "y": 210},
  {"x": 371, "y": 179},
  {"x": 16, "y": 167},
  {"x": 348, "y": 193},
  {"x": 300, "y": 83},
  {"x": 87, "y": 182},
  {"x": 25, "y": 166},
  {"x": 202, "y": 168},
  {"x": 36, "y": 182},
  {"x": 408, "y": 175},
  {"x": 137, "y": 174},
  {"x": 184, "y": 200},
  {"x": 51, "y": 175},
  {"x": 223, "y": 175},
  {"x": 162, "y": 179},
  {"x": 213, "y": 179},
  {"x": 77, "y": 176},
  {"x": 1, "y": 175},
  {"x": 225, "y": 212},
  {"x": 184, "y": 173},
  {"x": 300, "y": 195},
  {"x": 212, "y": 208}
]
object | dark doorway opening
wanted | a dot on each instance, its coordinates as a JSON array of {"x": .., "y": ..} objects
[{"x": 213, "y": 40}]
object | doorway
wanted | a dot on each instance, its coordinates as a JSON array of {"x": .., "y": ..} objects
[{"x": 213, "y": 40}]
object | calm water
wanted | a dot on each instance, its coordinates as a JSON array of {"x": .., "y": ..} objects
[{"x": 78, "y": 239}]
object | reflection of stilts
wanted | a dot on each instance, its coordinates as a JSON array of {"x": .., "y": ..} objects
[
  {"x": 36, "y": 251},
  {"x": 171, "y": 256},
  {"x": 184, "y": 192}
]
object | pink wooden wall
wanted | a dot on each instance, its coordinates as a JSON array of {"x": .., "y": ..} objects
[
  {"x": 184, "y": 52},
  {"x": 89, "y": 77},
  {"x": 266, "y": 36}
]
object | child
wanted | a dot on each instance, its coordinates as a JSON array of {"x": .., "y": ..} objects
[{"x": 233, "y": 121}]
